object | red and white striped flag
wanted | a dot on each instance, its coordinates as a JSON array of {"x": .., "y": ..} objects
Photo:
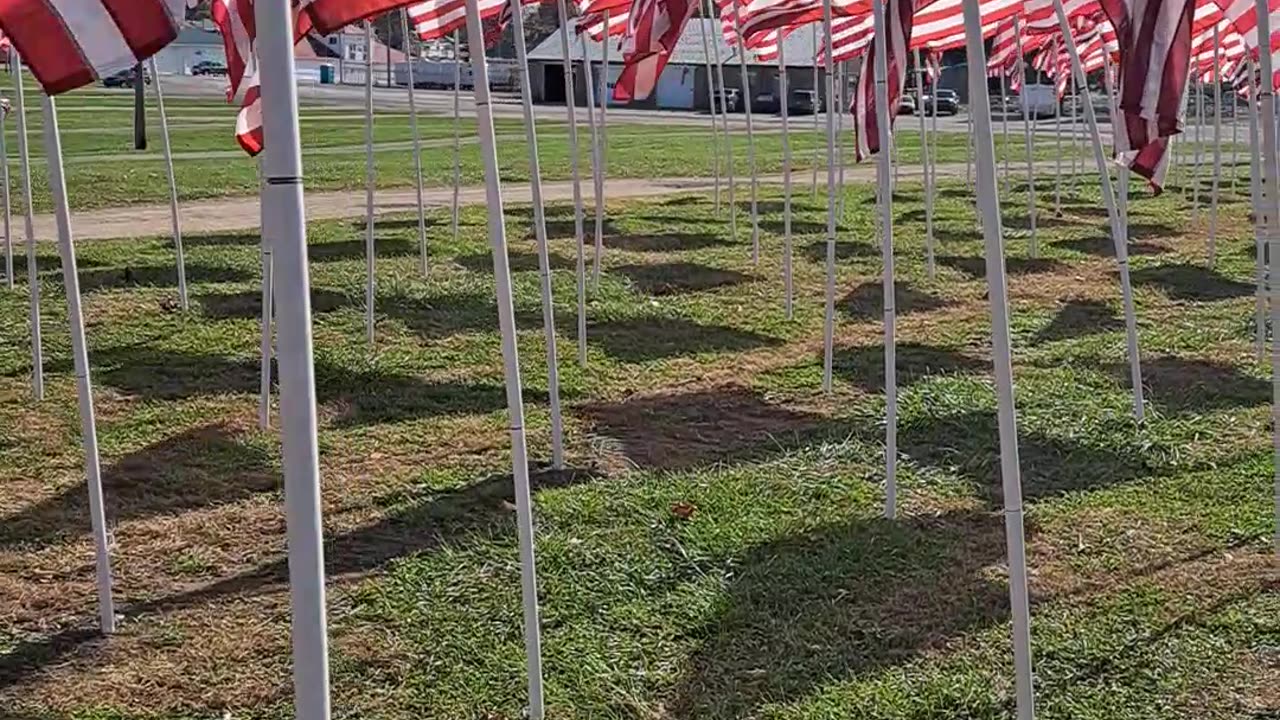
[
  {"x": 1155, "y": 54},
  {"x": 71, "y": 43},
  {"x": 436, "y": 19},
  {"x": 899, "y": 15},
  {"x": 759, "y": 17},
  {"x": 593, "y": 24},
  {"x": 653, "y": 29}
]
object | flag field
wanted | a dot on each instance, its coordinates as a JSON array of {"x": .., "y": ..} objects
[{"x": 715, "y": 548}]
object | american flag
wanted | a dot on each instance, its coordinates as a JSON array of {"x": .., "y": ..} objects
[
  {"x": 653, "y": 29},
  {"x": 593, "y": 24},
  {"x": 436, "y": 19},
  {"x": 899, "y": 16},
  {"x": 1155, "y": 54},
  {"x": 71, "y": 43}
]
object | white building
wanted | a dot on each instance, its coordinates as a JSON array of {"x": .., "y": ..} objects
[{"x": 193, "y": 45}]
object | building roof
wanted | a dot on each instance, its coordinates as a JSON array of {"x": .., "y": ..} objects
[{"x": 799, "y": 47}]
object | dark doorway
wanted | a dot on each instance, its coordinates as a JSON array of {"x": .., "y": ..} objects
[{"x": 553, "y": 83}]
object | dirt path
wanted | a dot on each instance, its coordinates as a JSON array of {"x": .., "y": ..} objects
[{"x": 230, "y": 214}]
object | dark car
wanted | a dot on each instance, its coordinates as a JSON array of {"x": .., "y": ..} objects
[
  {"x": 125, "y": 78},
  {"x": 804, "y": 102},
  {"x": 947, "y": 102},
  {"x": 208, "y": 67},
  {"x": 730, "y": 100}
]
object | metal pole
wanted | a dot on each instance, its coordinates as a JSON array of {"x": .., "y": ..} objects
[
  {"x": 1010, "y": 473},
  {"x": 8, "y": 213},
  {"x": 540, "y": 232},
  {"x": 711, "y": 103},
  {"x": 751, "y": 139},
  {"x": 884, "y": 171},
  {"x": 817, "y": 101},
  {"x": 724, "y": 118},
  {"x": 578, "y": 233},
  {"x": 173, "y": 187},
  {"x": 1118, "y": 236},
  {"x": 1271, "y": 193},
  {"x": 139, "y": 108},
  {"x": 597, "y": 172},
  {"x": 370, "y": 252},
  {"x": 80, "y": 360},
  {"x": 411, "y": 60},
  {"x": 457, "y": 129},
  {"x": 1195, "y": 185},
  {"x": 830, "y": 318},
  {"x": 788, "y": 291},
  {"x": 511, "y": 364},
  {"x": 28, "y": 215},
  {"x": 1004, "y": 131},
  {"x": 1259, "y": 220},
  {"x": 287, "y": 227},
  {"x": 1034, "y": 244},
  {"x": 1217, "y": 146},
  {"x": 268, "y": 278},
  {"x": 924, "y": 150}
]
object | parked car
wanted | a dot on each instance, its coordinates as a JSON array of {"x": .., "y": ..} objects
[
  {"x": 907, "y": 104},
  {"x": 209, "y": 67},
  {"x": 125, "y": 78},
  {"x": 804, "y": 102},
  {"x": 948, "y": 102},
  {"x": 766, "y": 102}
]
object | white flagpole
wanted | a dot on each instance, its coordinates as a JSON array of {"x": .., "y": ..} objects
[
  {"x": 1027, "y": 118},
  {"x": 597, "y": 174},
  {"x": 1271, "y": 193},
  {"x": 716, "y": 39},
  {"x": 1075, "y": 131},
  {"x": 1010, "y": 473},
  {"x": 457, "y": 128},
  {"x": 410, "y": 60},
  {"x": 817, "y": 100},
  {"x": 8, "y": 213},
  {"x": 540, "y": 232},
  {"x": 602, "y": 145},
  {"x": 1195, "y": 187},
  {"x": 1235, "y": 137},
  {"x": 968, "y": 146},
  {"x": 1118, "y": 236},
  {"x": 28, "y": 215},
  {"x": 842, "y": 112},
  {"x": 1057, "y": 154},
  {"x": 80, "y": 359},
  {"x": 711, "y": 103},
  {"x": 1259, "y": 220},
  {"x": 1217, "y": 146},
  {"x": 370, "y": 256},
  {"x": 579, "y": 235},
  {"x": 830, "y": 319},
  {"x": 751, "y": 138},
  {"x": 287, "y": 226},
  {"x": 173, "y": 187},
  {"x": 884, "y": 169},
  {"x": 1004, "y": 130},
  {"x": 268, "y": 278},
  {"x": 511, "y": 363},
  {"x": 786, "y": 180},
  {"x": 924, "y": 162}
]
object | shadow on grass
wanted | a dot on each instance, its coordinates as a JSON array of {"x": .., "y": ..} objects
[
  {"x": 840, "y": 601},
  {"x": 952, "y": 235},
  {"x": 866, "y": 302},
  {"x": 1183, "y": 385},
  {"x": 1078, "y": 318},
  {"x": 967, "y": 445},
  {"x": 416, "y": 527},
  {"x": 247, "y": 238},
  {"x": 518, "y": 260},
  {"x": 158, "y": 276},
  {"x": 339, "y": 251},
  {"x": 248, "y": 304},
  {"x": 561, "y": 229},
  {"x": 665, "y": 242},
  {"x": 976, "y": 267},
  {"x": 798, "y": 227},
  {"x": 845, "y": 250},
  {"x": 199, "y": 468},
  {"x": 655, "y": 338},
  {"x": 678, "y": 431},
  {"x": 1102, "y": 246},
  {"x": 679, "y": 277},
  {"x": 351, "y": 397},
  {"x": 864, "y": 366},
  {"x": 1184, "y": 281}
]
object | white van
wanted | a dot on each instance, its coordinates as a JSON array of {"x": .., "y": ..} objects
[{"x": 1039, "y": 100}]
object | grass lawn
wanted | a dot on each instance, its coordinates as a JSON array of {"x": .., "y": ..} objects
[
  {"x": 103, "y": 170},
  {"x": 716, "y": 550}
]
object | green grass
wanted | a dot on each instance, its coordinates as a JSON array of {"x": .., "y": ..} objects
[{"x": 716, "y": 550}]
